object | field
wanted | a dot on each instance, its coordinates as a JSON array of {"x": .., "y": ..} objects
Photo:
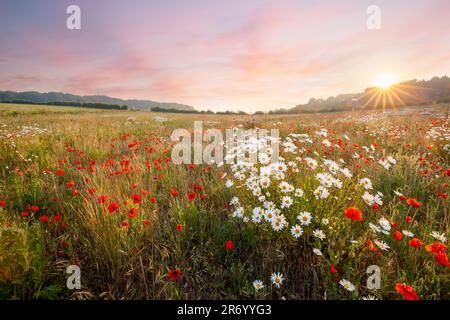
[{"x": 356, "y": 208}]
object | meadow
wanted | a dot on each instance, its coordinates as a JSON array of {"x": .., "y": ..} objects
[{"x": 98, "y": 189}]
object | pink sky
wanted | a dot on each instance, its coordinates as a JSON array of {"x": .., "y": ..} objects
[{"x": 235, "y": 55}]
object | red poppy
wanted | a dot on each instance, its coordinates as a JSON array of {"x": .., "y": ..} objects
[
  {"x": 136, "y": 198},
  {"x": 353, "y": 214},
  {"x": 2, "y": 203},
  {"x": 113, "y": 207},
  {"x": 397, "y": 235},
  {"x": 132, "y": 213},
  {"x": 436, "y": 247},
  {"x": 408, "y": 219},
  {"x": 179, "y": 227},
  {"x": 174, "y": 193},
  {"x": 60, "y": 172},
  {"x": 70, "y": 184},
  {"x": 407, "y": 291},
  {"x": 442, "y": 259},
  {"x": 413, "y": 202},
  {"x": 25, "y": 214},
  {"x": 92, "y": 190},
  {"x": 415, "y": 243},
  {"x": 56, "y": 218},
  {"x": 192, "y": 196},
  {"x": 333, "y": 269},
  {"x": 174, "y": 274},
  {"x": 153, "y": 200},
  {"x": 102, "y": 199},
  {"x": 43, "y": 218},
  {"x": 35, "y": 208},
  {"x": 229, "y": 245},
  {"x": 124, "y": 224},
  {"x": 146, "y": 222}
]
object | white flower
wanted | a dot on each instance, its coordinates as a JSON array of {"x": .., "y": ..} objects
[
  {"x": 438, "y": 236},
  {"x": 385, "y": 224},
  {"x": 278, "y": 222},
  {"x": 299, "y": 192},
  {"x": 369, "y": 297},
  {"x": 304, "y": 218},
  {"x": 408, "y": 233},
  {"x": 286, "y": 202},
  {"x": 317, "y": 252},
  {"x": 229, "y": 183},
  {"x": 238, "y": 212},
  {"x": 347, "y": 285},
  {"x": 321, "y": 192},
  {"x": 258, "y": 285},
  {"x": 234, "y": 201},
  {"x": 382, "y": 245},
  {"x": 366, "y": 183},
  {"x": 319, "y": 234},
  {"x": 277, "y": 279},
  {"x": 325, "y": 221},
  {"x": 265, "y": 183},
  {"x": 296, "y": 231}
]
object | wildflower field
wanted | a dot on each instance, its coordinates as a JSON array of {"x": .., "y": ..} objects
[{"x": 356, "y": 207}]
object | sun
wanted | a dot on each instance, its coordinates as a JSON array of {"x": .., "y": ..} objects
[{"x": 384, "y": 81}]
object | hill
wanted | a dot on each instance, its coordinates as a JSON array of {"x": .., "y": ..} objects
[{"x": 54, "y": 97}]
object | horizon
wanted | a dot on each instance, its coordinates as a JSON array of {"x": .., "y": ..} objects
[{"x": 257, "y": 56}]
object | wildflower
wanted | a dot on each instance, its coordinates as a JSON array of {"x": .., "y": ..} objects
[
  {"x": 174, "y": 193},
  {"x": 277, "y": 279},
  {"x": 153, "y": 200},
  {"x": 2, "y": 203},
  {"x": 102, "y": 199},
  {"x": 347, "y": 285},
  {"x": 124, "y": 224},
  {"x": 296, "y": 231},
  {"x": 60, "y": 172},
  {"x": 179, "y": 227},
  {"x": 407, "y": 291},
  {"x": 333, "y": 269},
  {"x": 258, "y": 285},
  {"x": 415, "y": 243},
  {"x": 304, "y": 218},
  {"x": 436, "y": 247},
  {"x": 353, "y": 214},
  {"x": 397, "y": 235},
  {"x": 174, "y": 274},
  {"x": 43, "y": 218},
  {"x": 382, "y": 245},
  {"x": 34, "y": 208},
  {"x": 229, "y": 245},
  {"x": 317, "y": 252},
  {"x": 192, "y": 196},
  {"x": 286, "y": 202},
  {"x": 438, "y": 236},
  {"x": 112, "y": 207},
  {"x": 132, "y": 213},
  {"x": 319, "y": 234},
  {"x": 146, "y": 222},
  {"x": 70, "y": 184},
  {"x": 413, "y": 202},
  {"x": 136, "y": 198}
]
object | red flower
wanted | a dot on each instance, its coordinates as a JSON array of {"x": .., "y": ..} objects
[
  {"x": 70, "y": 184},
  {"x": 371, "y": 246},
  {"x": 43, "y": 218},
  {"x": 375, "y": 206},
  {"x": 415, "y": 243},
  {"x": 179, "y": 227},
  {"x": 153, "y": 200},
  {"x": 408, "y": 219},
  {"x": 35, "y": 208},
  {"x": 146, "y": 222},
  {"x": 436, "y": 247},
  {"x": 60, "y": 172},
  {"x": 407, "y": 291},
  {"x": 397, "y": 235},
  {"x": 124, "y": 224},
  {"x": 132, "y": 213},
  {"x": 413, "y": 202},
  {"x": 92, "y": 190},
  {"x": 56, "y": 218},
  {"x": 25, "y": 214},
  {"x": 2, "y": 203},
  {"x": 229, "y": 245},
  {"x": 192, "y": 196},
  {"x": 353, "y": 214},
  {"x": 442, "y": 259},
  {"x": 113, "y": 207},
  {"x": 403, "y": 198},
  {"x": 102, "y": 199},
  {"x": 174, "y": 275},
  {"x": 174, "y": 193},
  {"x": 136, "y": 198},
  {"x": 333, "y": 269}
]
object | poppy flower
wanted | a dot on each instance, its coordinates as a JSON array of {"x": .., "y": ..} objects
[
  {"x": 35, "y": 208},
  {"x": 25, "y": 214},
  {"x": 124, "y": 224},
  {"x": 56, "y": 218},
  {"x": 436, "y": 247},
  {"x": 192, "y": 196},
  {"x": 132, "y": 213},
  {"x": 179, "y": 227},
  {"x": 153, "y": 200},
  {"x": 2, "y": 203},
  {"x": 229, "y": 245},
  {"x": 136, "y": 198},
  {"x": 174, "y": 193},
  {"x": 397, "y": 235},
  {"x": 353, "y": 214},
  {"x": 91, "y": 190},
  {"x": 413, "y": 202},
  {"x": 43, "y": 218},
  {"x": 70, "y": 184},
  {"x": 407, "y": 291},
  {"x": 146, "y": 222},
  {"x": 113, "y": 207},
  {"x": 333, "y": 269},
  {"x": 174, "y": 274},
  {"x": 415, "y": 243},
  {"x": 102, "y": 199},
  {"x": 60, "y": 172},
  {"x": 408, "y": 219}
]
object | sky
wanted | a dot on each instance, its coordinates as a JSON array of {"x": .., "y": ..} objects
[{"x": 220, "y": 55}]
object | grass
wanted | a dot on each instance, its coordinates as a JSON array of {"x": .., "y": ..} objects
[{"x": 122, "y": 258}]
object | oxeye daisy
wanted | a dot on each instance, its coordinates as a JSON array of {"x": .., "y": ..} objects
[
  {"x": 277, "y": 279},
  {"x": 296, "y": 231}
]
